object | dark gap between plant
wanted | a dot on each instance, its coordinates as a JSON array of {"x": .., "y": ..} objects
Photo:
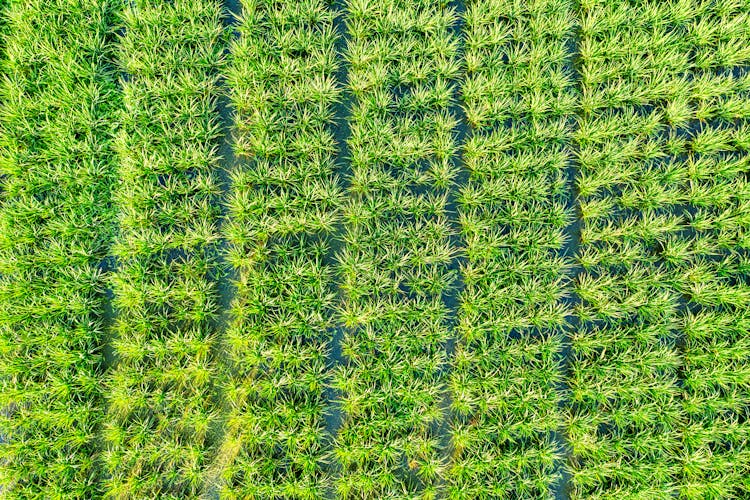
[
  {"x": 340, "y": 129},
  {"x": 223, "y": 273}
]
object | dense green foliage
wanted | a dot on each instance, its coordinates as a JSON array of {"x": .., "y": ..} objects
[
  {"x": 160, "y": 409},
  {"x": 281, "y": 211},
  {"x": 57, "y": 102},
  {"x": 394, "y": 266},
  {"x": 660, "y": 373},
  {"x": 462, "y": 250},
  {"x": 518, "y": 97}
]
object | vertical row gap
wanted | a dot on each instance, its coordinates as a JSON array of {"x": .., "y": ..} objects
[
  {"x": 570, "y": 250},
  {"x": 452, "y": 297},
  {"x": 108, "y": 263},
  {"x": 227, "y": 162},
  {"x": 223, "y": 273},
  {"x": 341, "y": 132}
]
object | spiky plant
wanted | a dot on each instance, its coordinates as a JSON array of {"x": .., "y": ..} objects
[
  {"x": 161, "y": 413},
  {"x": 282, "y": 210},
  {"x": 57, "y": 103}
]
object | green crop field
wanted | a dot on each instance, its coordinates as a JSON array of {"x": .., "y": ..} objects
[{"x": 375, "y": 249}]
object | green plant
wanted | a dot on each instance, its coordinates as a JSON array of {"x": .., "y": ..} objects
[
  {"x": 160, "y": 407},
  {"x": 282, "y": 209},
  {"x": 56, "y": 120}
]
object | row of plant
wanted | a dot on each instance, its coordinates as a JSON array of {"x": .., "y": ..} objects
[
  {"x": 660, "y": 392},
  {"x": 394, "y": 267},
  {"x": 162, "y": 413},
  {"x": 282, "y": 208},
  {"x": 505, "y": 384},
  {"x": 709, "y": 134},
  {"x": 57, "y": 104}
]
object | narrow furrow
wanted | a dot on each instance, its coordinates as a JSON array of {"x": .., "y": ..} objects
[
  {"x": 161, "y": 415},
  {"x": 57, "y": 103},
  {"x": 394, "y": 264},
  {"x": 519, "y": 99},
  {"x": 282, "y": 207}
]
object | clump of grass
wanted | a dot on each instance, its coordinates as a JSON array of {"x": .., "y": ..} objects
[
  {"x": 394, "y": 266},
  {"x": 281, "y": 212},
  {"x": 57, "y": 96},
  {"x": 160, "y": 407},
  {"x": 662, "y": 149},
  {"x": 518, "y": 96}
]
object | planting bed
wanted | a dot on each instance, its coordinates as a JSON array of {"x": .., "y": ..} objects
[
  {"x": 281, "y": 211},
  {"x": 160, "y": 404},
  {"x": 515, "y": 215},
  {"x": 659, "y": 386},
  {"x": 58, "y": 105}
]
